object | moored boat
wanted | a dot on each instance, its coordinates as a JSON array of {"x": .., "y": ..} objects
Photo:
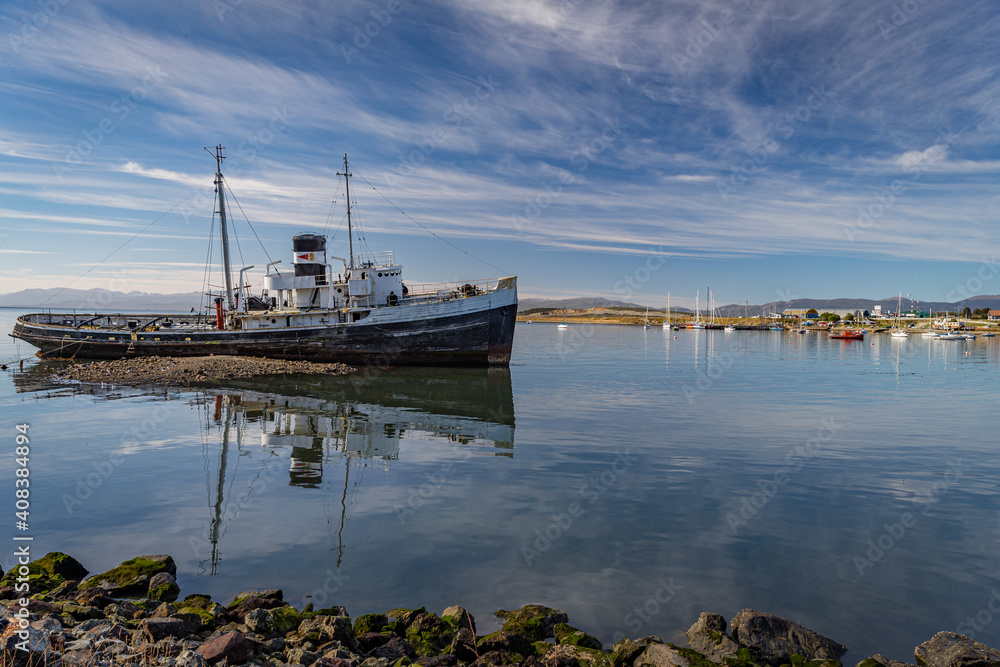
[
  {"x": 363, "y": 314},
  {"x": 848, "y": 334}
]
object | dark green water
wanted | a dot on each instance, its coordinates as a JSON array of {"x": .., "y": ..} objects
[{"x": 629, "y": 477}]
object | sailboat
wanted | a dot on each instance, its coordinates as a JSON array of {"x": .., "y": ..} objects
[
  {"x": 697, "y": 324},
  {"x": 646, "y": 323},
  {"x": 897, "y": 332},
  {"x": 363, "y": 314},
  {"x": 666, "y": 320}
]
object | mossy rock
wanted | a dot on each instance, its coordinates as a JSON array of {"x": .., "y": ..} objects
[
  {"x": 534, "y": 621},
  {"x": 47, "y": 572},
  {"x": 541, "y": 648},
  {"x": 429, "y": 634},
  {"x": 369, "y": 623},
  {"x": 402, "y": 662},
  {"x": 505, "y": 641},
  {"x": 625, "y": 651},
  {"x": 567, "y": 634},
  {"x": 132, "y": 570},
  {"x": 567, "y": 654},
  {"x": 166, "y": 592},
  {"x": 869, "y": 662},
  {"x": 694, "y": 658},
  {"x": 199, "y": 600},
  {"x": 405, "y": 615},
  {"x": 206, "y": 620},
  {"x": 284, "y": 619}
]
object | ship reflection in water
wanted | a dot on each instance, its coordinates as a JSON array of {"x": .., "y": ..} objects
[{"x": 331, "y": 429}]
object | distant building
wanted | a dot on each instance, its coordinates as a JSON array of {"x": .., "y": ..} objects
[
  {"x": 791, "y": 313},
  {"x": 994, "y": 315},
  {"x": 877, "y": 310}
]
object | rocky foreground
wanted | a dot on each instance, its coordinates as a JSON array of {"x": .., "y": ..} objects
[
  {"x": 130, "y": 616},
  {"x": 188, "y": 370}
]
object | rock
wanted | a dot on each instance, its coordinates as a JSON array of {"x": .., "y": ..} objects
[
  {"x": 301, "y": 656},
  {"x": 463, "y": 646},
  {"x": 567, "y": 655},
  {"x": 269, "y": 593},
  {"x": 394, "y": 649},
  {"x": 370, "y": 623},
  {"x": 773, "y": 639},
  {"x": 444, "y": 660},
  {"x": 277, "y": 621},
  {"x": 534, "y": 621},
  {"x": 190, "y": 659},
  {"x": 627, "y": 651},
  {"x": 567, "y": 634},
  {"x": 165, "y": 610},
  {"x": 950, "y": 649},
  {"x": 65, "y": 590},
  {"x": 660, "y": 655},
  {"x": 232, "y": 647},
  {"x": 248, "y": 604},
  {"x": 507, "y": 643},
  {"x": 161, "y": 628},
  {"x": 404, "y": 616},
  {"x": 459, "y": 617},
  {"x": 372, "y": 640},
  {"x": 708, "y": 636},
  {"x": 20, "y": 651},
  {"x": 429, "y": 634},
  {"x": 323, "y": 629},
  {"x": 879, "y": 660},
  {"x": 200, "y": 600},
  {"x": 332, "y": 661},
  {"x": 48, "y": 572},
  {"x": 131, "y": 578},
  {"x": 163, "y": 586}
]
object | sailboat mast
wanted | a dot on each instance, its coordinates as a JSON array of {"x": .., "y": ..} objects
[
  {"x": 347, "y": 190},
  {"x": 220, "y": 155}
]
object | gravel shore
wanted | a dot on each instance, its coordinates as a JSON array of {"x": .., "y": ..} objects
[{"x": 188, "y": 370}]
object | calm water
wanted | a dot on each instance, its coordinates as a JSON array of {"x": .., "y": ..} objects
[{"x": 631, "y": 477}]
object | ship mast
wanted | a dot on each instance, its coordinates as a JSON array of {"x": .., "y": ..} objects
[
  {"x": 220, "y": 155},
  {"x": 350, "y": 236}
]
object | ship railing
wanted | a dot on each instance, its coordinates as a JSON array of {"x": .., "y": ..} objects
[
  {"x": 380, "y": 258},
  {"x": 427, "y": 292}
]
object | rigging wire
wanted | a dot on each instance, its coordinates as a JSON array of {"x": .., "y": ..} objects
[
  {"x": 206, "y": 275},
  {"x": 238, "y": 205},
  {"x": 115, "y": 251},
  {"x": 440, "y": 238}
]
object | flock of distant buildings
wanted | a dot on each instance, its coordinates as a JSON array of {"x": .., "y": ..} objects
[{"x": 875, "y": 313}]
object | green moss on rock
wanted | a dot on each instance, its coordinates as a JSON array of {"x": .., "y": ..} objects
[
  {"x": 567, "y": 634},
  {"x": 534, "y": 621},
  {"x": 694, "y": 658},
  {"x": 167, "y": 592},
  {"x": 369, "y": 623},
  {"x": 131, "y": 570},
  {"x": 47, "y": 572}
]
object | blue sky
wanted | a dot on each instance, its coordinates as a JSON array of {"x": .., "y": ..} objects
[{"x": 770, "y": 149}]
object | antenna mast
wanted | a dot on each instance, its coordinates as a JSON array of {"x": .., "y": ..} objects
[
  {"x": 350, "y": 236},
  {"x": 220, "y": 155}
]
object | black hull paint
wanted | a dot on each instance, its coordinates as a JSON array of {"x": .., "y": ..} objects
[{"x": 482, "y": 338}]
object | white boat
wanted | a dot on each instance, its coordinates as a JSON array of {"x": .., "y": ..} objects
[
  {"x": 930, "y": 334},
  {"x": 987, "y": 335},
  {"x": 697, "y": 324},
  {"x": 562, "y": 325},
  {"x": 362, "y": 314},
  {"x": 730, "y": 327},
  {"x": 897, "y": 332},
  {"x": 666, "y": 320}
]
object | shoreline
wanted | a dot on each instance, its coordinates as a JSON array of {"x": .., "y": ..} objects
[
  {"x": 184, "y": 371},
  {"x": 130, "y": 616}
]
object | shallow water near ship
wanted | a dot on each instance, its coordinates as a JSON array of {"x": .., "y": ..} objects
[{"x": 631, "y": 477}]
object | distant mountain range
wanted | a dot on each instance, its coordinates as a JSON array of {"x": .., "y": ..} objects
[
  {"x": 888, "y": 305},
  {"x": 101, "y": 300},
  {"x": 105, "y": 300}
]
